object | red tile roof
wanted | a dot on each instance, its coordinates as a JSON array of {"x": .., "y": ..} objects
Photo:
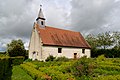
[{"x": 59, "y": 37}]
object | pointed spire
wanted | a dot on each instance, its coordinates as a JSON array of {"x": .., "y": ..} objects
[
  {"x": 41, "y": 20},
  {"x": 40, "y": 14}
]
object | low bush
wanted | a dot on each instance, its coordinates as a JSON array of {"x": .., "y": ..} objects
[
  {"x": 50, "y": 58},
  {"x": 105, "y": 72},
  {"x": 52, "y": 63},
  {"x": 83, "y": 67},
  {"x": 62, "y": 59},
  {"x": 32, "y": 65},
  {"x": 109, "y": 68},
  {"x": 56, "y": 74},
  {"x": 17, "y": 60},
  {"x": 34, "y": 73},
  {"x": 101, "y": 58},
  {"x": 109, "y": 77},
  {"x": 3, "y": 54},
  {"x": 28, "y": 60}
]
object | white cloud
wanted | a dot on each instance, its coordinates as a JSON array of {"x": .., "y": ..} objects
[
  {"x": 17, "y": 17},
  {"x": 92, "y": 15}
]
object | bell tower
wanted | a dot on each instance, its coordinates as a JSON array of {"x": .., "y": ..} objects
[{"x": 41, "y": 20}]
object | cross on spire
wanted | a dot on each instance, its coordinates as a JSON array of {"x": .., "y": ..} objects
[
  {"x": 41, "y": 20},
  {"x": 40, "y": 6}
]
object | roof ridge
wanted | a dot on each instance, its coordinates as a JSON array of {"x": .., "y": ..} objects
[
  {"x": 62, "y": 29},
  {"x": 58, "y": 28}
]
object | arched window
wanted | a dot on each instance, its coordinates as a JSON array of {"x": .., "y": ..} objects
[
  {"x": 42, "y": 23},
  {"x": 83, "y": 51}
]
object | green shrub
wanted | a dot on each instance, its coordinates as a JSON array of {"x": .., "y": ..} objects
[
  {"x": 109, "y": 68},
  {"x": 17, "y": 60},
  {"x": 56, "y": 74},
  {"x": 109, "y": 77},
  {"x": 52, "y": 63},
  {"x": 34, "y": 73},
  {"x": 28, "y": 60},
  {"x": 82, "y": 67},
  {"x": 106, "y": 72},
  {"x": 3, "y": 54},
  {"x": 5, "y": 68},
  {"x": 32, "y": 65},
  {"x": 62, "y": 59},
  {"x": 101, "y": 58},
  {"x": 50, "y": 58}
]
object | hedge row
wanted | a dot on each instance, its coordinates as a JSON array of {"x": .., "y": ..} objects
[
  {"x": 31, "y": 64},
  {"x": 53, "y": 72},
  {"x": 109, "y": 77},
  {"x": 57, "y": 73},
  {"x": 48, "y": 64},
  {"x": 106, "y": 72},
  {"x": 106, "y": 68},
  {"x": 5, "y": 68},
  {"x": 17, "y": 60},
  {"x": 34, "y": 73}
]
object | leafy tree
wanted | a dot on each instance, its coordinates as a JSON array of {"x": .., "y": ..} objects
[
  {"x": 16, "y": 48},
  {"x": 105, "y": 40},
  {"x": 116, "y": 36},
  {"x": 91, "y": 39},
  {"x": 103, "y": 43}
]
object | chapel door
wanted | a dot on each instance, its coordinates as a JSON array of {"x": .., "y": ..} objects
[{"x": 75, "y": 55}]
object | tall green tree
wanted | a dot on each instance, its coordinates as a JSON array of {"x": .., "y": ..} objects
[
  {"x": 105, "y": 40},
  {"x": 16, "y": 48},
  {"x": 116, "y": 36},
  {"x": 91, "y": 39},
  {"x": 105, "y": 43}
]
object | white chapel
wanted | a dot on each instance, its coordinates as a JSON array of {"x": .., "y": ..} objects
[{"x": 46, "y": 41}]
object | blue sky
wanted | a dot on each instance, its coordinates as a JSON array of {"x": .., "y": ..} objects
[{"x": 86, "y": 16}]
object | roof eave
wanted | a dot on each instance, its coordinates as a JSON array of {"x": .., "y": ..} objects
[{"x": 66, "y": 46}]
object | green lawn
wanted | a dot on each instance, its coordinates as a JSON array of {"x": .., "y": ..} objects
[{"x": 19, "y": 74}]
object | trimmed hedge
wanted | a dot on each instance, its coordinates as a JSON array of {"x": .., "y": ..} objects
[
  {"x": 62, "y": 59},
  {"x": 109, "y": 77},
  {"x": 53, "y": 63},
  {"x": 34, "y": 73},
  {"x": 32, "y": 65},
  {"x": 48, "y": 70},
  {"x": 17, "y": 60},
  {"x": 5, "y": 68},
  {"x": 57, "y": 73}
]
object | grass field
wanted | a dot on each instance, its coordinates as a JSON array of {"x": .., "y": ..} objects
[
  {"x": 19, "y": 74},
  {"x": 104, "y": 69}
]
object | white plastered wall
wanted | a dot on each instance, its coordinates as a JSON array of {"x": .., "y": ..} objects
[
  {"x": 66, "y": 51},
  {"x": 35, "y": 45}
]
